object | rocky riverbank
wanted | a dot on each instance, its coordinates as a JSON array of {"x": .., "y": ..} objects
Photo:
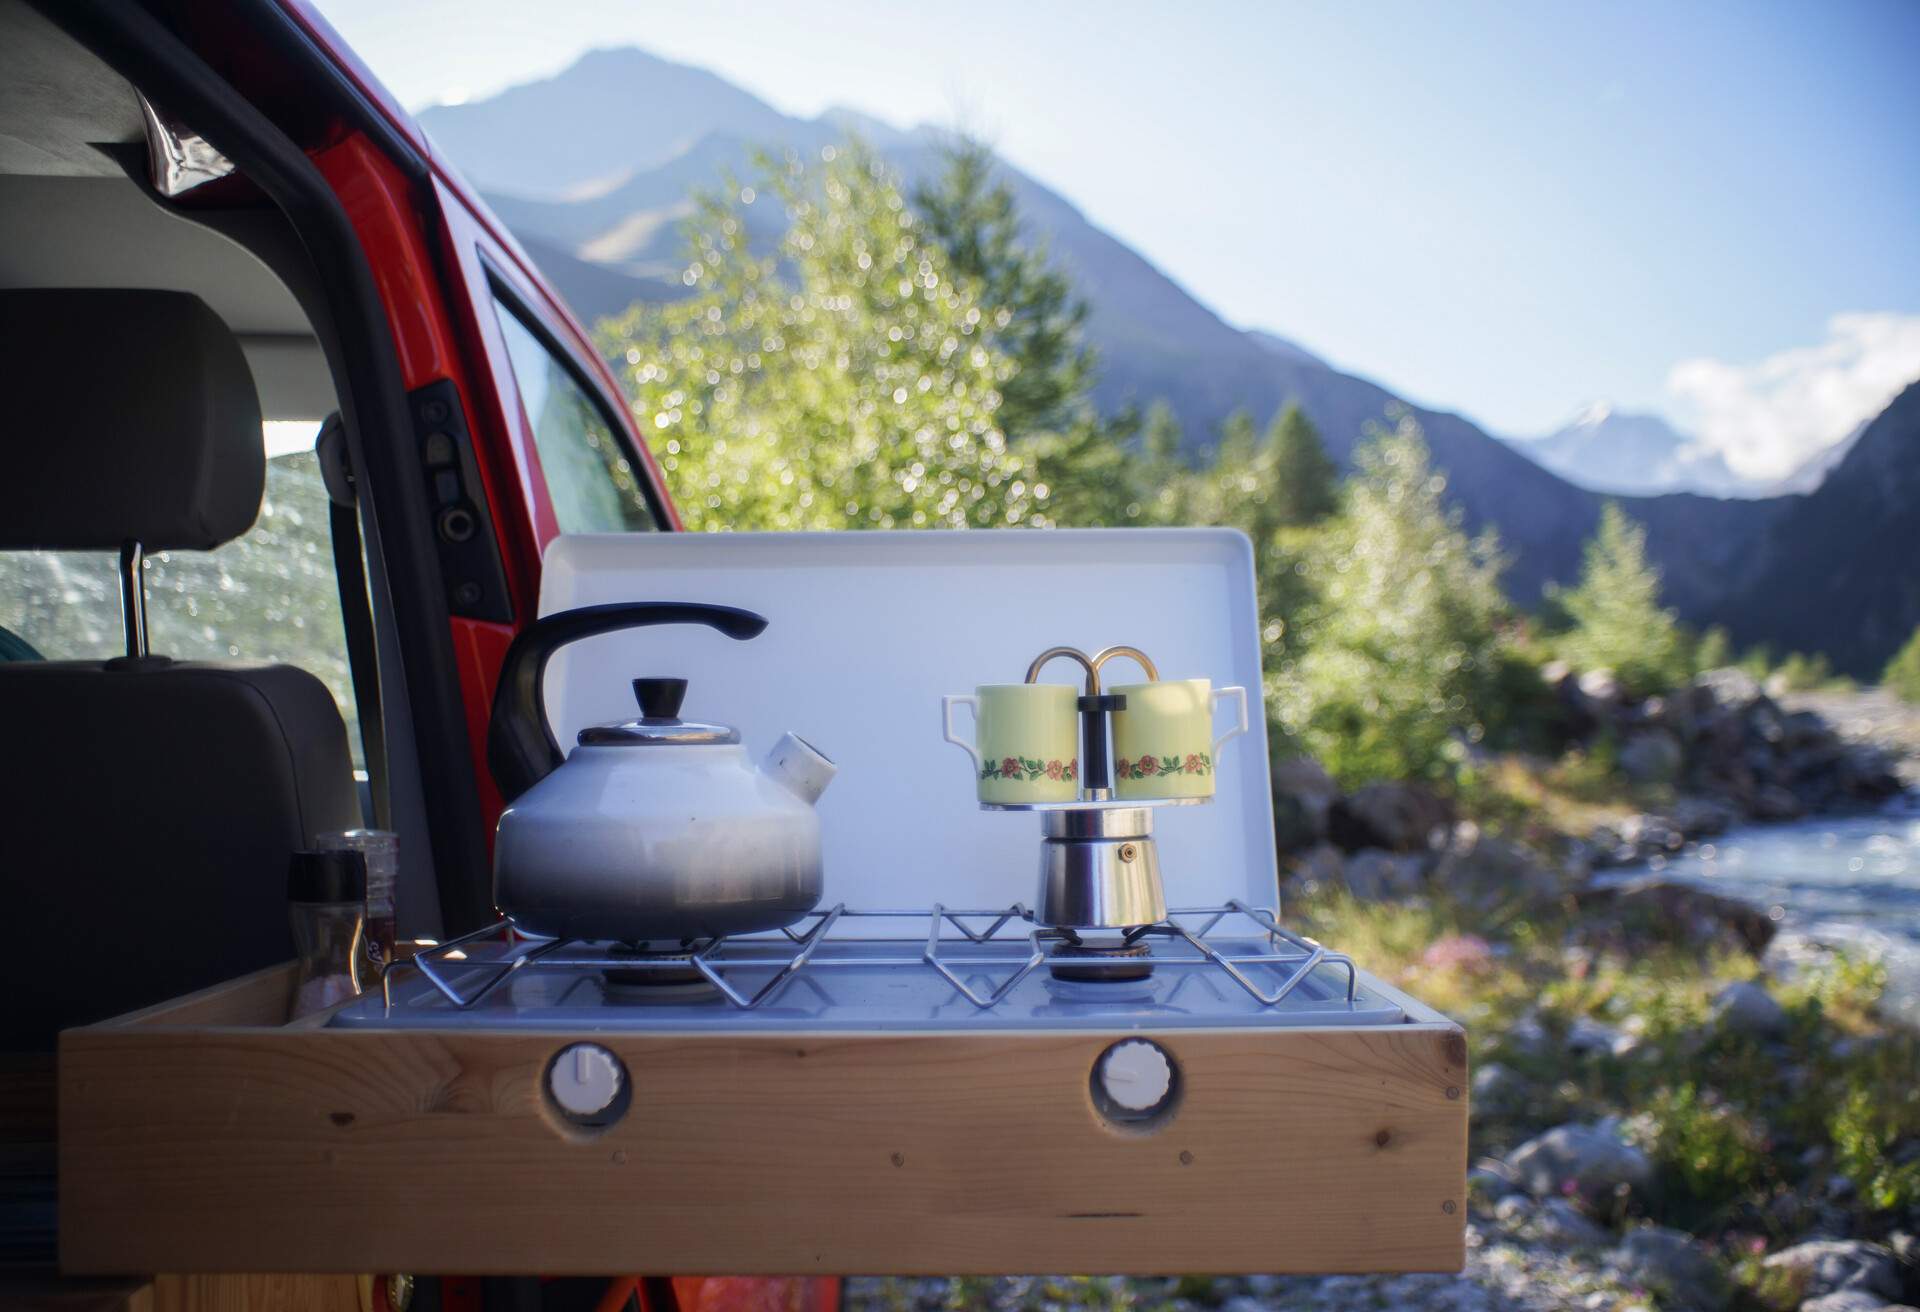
[{"x": 1675, "y": 1105}]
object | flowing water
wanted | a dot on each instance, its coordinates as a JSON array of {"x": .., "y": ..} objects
[{"x": 1847, "y": 880}]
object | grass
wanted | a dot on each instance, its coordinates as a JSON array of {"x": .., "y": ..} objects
[
  {"x": 1735, "y": 1122},
  {"x": 1536, "y": 800}
]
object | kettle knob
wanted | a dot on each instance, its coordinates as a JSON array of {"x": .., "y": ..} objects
[{"x": 660, "y": 698}]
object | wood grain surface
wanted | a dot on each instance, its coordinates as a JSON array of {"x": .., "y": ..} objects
[{"x": 207, "y": 1149}]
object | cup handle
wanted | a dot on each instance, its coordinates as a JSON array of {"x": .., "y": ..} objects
[
  {"x": 1239, "y": 695},
  {"x": 946, "y": 721}
]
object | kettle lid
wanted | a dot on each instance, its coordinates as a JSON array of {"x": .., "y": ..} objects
[{"x": 659, "y": 722}]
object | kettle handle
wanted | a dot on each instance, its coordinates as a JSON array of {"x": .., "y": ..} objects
[{"x": 521, "y": 750}]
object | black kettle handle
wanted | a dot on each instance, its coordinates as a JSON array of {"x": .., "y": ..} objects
[{"x": 521, "y": 750}]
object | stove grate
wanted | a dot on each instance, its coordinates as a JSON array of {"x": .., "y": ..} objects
[{"x": 465, "y": 972}]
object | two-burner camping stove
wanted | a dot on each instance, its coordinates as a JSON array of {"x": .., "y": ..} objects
[{"x": 1232, "y": 965}]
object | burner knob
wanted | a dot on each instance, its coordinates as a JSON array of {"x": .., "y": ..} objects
[
  {"x": 586, "y": 1081},
  {"x": 1136, "y": 1075}
]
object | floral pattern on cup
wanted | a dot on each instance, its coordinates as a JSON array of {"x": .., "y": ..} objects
[
  {"x": 1146, "y": 767},
  {"x": 1027, "y": 768}
]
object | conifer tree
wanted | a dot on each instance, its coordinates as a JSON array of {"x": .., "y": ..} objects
[
  {"x": 1306, "y": 482},
  {"x": 1618, "y": 622}
]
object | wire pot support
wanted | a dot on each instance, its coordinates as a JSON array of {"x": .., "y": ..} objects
[{"x": 465, "y": 970}]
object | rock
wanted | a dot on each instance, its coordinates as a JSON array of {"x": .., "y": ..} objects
[
  {"x": 1527, "y": 1037},
  {"x": 1672, "y": 1265},
  {"x": 1486, "y": 872},
  {"x": 1747, "y": 1008},
  {"x": 1303, "y": 792},
  {"x": 1489, "y": 1185},
  {"x": 1652, "y": 833},
  {"x": 1651, "y": 756},
  {"x": 1730, "y": 687},
  {"x": 1499, "y": 1090},
  {"x": 1590, "y": 1160},
  {"x": 1396, "y": 816},
  {"x": 1587, "y": 1037},
  {"x": 1513, "y": 1209},
  {"x": 1629, "y": 916},
  {"x": 1867, "y": 772},
  {"x": 1847, "y": 1300},
  {"x": 1601, "y": 686},
  {"x": 1376, "y": 876},
  {"x": 1320, "y": 867},
  {"x": 1560, "y": 1223},
  {"x": 1700, "y": 817},
  {"x": 1774, "y": 802},
  {"x": 1826, "y": 1266}
]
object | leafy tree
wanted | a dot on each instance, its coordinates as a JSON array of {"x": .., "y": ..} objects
[
  {"x": 1617, "y": 619},
  {"x": 1902, "y": 674},
  {"x": 1396, "y": 656},
  {"x": 1090, "y": 477},
  {"x": 1035, "y": 318},
  {"x": 847, "y": 380},
  {"x": 1306, "y": 482}
]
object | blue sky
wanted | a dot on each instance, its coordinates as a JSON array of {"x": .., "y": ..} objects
[{"x": 1507, "y": 210}]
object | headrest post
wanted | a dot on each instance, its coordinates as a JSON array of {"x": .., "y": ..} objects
[{"x": 133, "y": 597}]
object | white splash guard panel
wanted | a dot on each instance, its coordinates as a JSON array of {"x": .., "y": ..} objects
[{"x": 866, "y": 631}]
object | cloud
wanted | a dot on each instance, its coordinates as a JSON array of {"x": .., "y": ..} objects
[{"x": 1769, "y": 418}]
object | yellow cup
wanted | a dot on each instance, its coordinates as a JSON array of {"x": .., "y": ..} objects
[
  {"x": 1163, "y": 743},
  {"x": 1026, "y": 741}
]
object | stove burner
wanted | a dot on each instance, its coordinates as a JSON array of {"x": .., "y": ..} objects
[
  {"x": 656, "y": 969},
  {"x": 1102, "y": 961}
]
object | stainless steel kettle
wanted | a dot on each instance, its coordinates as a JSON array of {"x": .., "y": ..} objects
[{"x": 654, "y": 829}]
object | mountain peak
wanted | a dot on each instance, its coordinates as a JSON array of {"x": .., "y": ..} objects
[{"x": 1611, "y": 450}]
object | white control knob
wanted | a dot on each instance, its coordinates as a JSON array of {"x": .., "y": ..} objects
[
  {"x": 585, "y": 1079},
  {"x": 1136, "y": 1075}
]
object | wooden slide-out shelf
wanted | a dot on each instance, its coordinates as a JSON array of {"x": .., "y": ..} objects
[{"x": 205, "y": 1136}]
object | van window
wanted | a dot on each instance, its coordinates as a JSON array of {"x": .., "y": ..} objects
[
  {"x": 590, "y": 473},
  {"x": 269, "y": 595}
]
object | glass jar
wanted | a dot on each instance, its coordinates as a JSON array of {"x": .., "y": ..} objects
[
  {"x": 326, "y": 906},
  {"x": 381, "y": 848}
]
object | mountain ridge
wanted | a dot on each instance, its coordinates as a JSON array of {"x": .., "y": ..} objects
[{"x": 1155, "y": 340}]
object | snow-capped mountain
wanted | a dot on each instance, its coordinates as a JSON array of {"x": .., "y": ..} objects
[{"x": 1610, "y": 450}]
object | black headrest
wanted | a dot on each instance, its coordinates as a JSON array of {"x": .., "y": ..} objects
[{"x": 126, "y": 415}]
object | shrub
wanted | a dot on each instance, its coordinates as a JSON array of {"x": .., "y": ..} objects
[{"x": 1902, "y": 674}]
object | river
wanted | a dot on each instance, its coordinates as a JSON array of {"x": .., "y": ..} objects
[{"x": 1849, "y": 879}]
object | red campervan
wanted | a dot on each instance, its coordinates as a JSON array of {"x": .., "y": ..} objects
[{"x": 220, "y": 231}]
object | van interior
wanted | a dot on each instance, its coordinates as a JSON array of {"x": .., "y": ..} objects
[{"x": 174, "y": 677}]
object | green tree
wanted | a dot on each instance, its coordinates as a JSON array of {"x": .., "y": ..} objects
[
  {"x": 1615, "y": 610},
  {"x": 846, "y": 380},
  {"x": 1713, "y": 651},
  {"x": 1393, "y": 661},
  {"x": 1306, "y": 481},
  {"x": 1902, "y": 674},
  {"x": 1034, "y": 317}
]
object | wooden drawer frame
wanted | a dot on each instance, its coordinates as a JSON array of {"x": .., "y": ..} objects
[{"x": 202, "y": 1135}]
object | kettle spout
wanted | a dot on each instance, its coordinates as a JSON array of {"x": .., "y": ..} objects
[{"x": 798, "y": 768}]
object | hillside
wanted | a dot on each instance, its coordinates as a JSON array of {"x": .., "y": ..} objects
[{"x": 1840, "y": 569}]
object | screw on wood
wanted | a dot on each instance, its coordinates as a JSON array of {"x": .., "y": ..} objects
[
  {"x": 1382, "y": 1139},
  {"x": 1186, "y": 1158},
  {"x": 1453, "y": 1093},
  {"x": 898, "y": 1159},
  {"x": 1449, "y": 1207}
]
